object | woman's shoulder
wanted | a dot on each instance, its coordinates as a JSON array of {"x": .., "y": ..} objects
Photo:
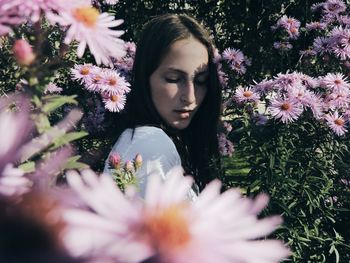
[{"x": 146, "y": 139}]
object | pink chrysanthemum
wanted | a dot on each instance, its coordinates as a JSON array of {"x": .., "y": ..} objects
[
  {"x": 301, "y": 94},
  {"x": 165, "y": 227},
  {"x": 287, "y": 81},
  {"x": 243, "y": 95},
  {"x": 287, "y": 110},
  {"x": 334, "y": 7},
  {"x": 84, "y": 72},
  {"x": 92, "y": 29},
  {"x": 113, "y": 83},
  {"x": 335, "y": 82},
  {"x": 233, "y": 56},
  {"x": 114, "y": 103},
  {"x": 336, "y": 123}
]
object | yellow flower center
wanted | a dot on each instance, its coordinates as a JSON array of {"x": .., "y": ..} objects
[
  {"x": 337, "y": 81},
  {"x": 87, "y": 15},
  {"x": 84, "y": 71},
  {"x": 168, "y": 228},
  {"x": 247, "y": 94},
  {"x": 114, "y": 98},
  {"x": 339, "y": 122},
  {"x": 112, "y": 82},
  {"x": 285, "y": 106}
]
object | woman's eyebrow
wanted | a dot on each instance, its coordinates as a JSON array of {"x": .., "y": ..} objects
[{"x": 200, "y": 71}]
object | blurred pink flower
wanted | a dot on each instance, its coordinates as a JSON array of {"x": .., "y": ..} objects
[
  {"x": 52, "y": 88},
  {"x": 287, "y": 110},
  {"x": 13, "y": 182},
  {"x": 92, "y": 29},
  {"x": 23, "y": 52},
  {"x": 282, "y": 45},
  {"x": 9, "y": 17},
  {"x": 164, "y": 226},
  {"x": 232, "y": 55}
]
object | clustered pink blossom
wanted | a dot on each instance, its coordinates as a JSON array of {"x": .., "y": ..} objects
[
  {"x": 123, "y": 228},
  {"x": 107, "y": 82},
  {"x": 282, "y": 45},
  {"x": 289, "y": 25},
  {"x": 287, "y": 96},
  {"x": 235, "y": 59}
]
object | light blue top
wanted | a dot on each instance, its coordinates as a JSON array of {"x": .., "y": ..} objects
[{"x": 158, "y": 152}]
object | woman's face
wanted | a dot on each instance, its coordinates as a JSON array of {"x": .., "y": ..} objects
[{"x": 179, "y": 84}]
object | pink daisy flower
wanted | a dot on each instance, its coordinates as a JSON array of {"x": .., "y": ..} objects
[
  {"x": 336, "y": 123},
  {"x": 264, "y": 86},
  {"x": 335, "y": 82},
  {"x": 287, "y": 81},
  {"x": 301, "y": 94},
  {"x": 113, "y": 83},
  {"x": 288, "y": 22},
  {"x": 287, "y": 110},
  {"x": 114, "y": 103},
  {"x": 334, "y": 7},
  {"x": 243, "y": 95},
  {"x": 233, "y": 56},
  {"x": 215, "y": 228},
  {"x": 92, "y": 29},
  {"x": 84, "y": 72}
]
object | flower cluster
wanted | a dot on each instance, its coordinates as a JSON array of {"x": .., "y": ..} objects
[
  {"x": 124, "y": 64},
  {"x": 107, "y": 82},
  {"x": 235, "y": 59},
  {"x": 123, "y": 173},
  {"x": 287, "y": 96}
]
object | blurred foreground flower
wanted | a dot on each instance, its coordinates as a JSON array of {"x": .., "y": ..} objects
[
  {"x": 93, "y": 29},
  {"x": 165, "y": 227},
  {"x": 31, "y": 231}
]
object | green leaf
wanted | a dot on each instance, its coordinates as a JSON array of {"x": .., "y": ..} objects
[
  {"x": 54, "y": 102},
  {"x": 42, "y": 123},
  {"x": 67, "y": 138},
  {"x": 73, "y": 164},
  {"x": 27, "y": 167}
]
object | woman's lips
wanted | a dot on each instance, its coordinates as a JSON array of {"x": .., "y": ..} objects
[{"x": 184, "y": 114}]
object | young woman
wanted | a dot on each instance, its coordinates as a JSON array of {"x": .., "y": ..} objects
[{"x": 173, "y": 109}]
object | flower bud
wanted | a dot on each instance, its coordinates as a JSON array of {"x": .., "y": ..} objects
[
  {"x": 115, "y": 160},
  {"x": 138, "y": 161},
  {"x": 23, "y": 52},
  {"x": 129, "y": 166}
]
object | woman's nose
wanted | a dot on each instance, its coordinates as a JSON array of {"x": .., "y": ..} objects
[{"x": 188, "y": 92}]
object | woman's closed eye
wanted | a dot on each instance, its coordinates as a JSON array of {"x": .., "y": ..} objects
[{"x": 172, "y": 79}]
